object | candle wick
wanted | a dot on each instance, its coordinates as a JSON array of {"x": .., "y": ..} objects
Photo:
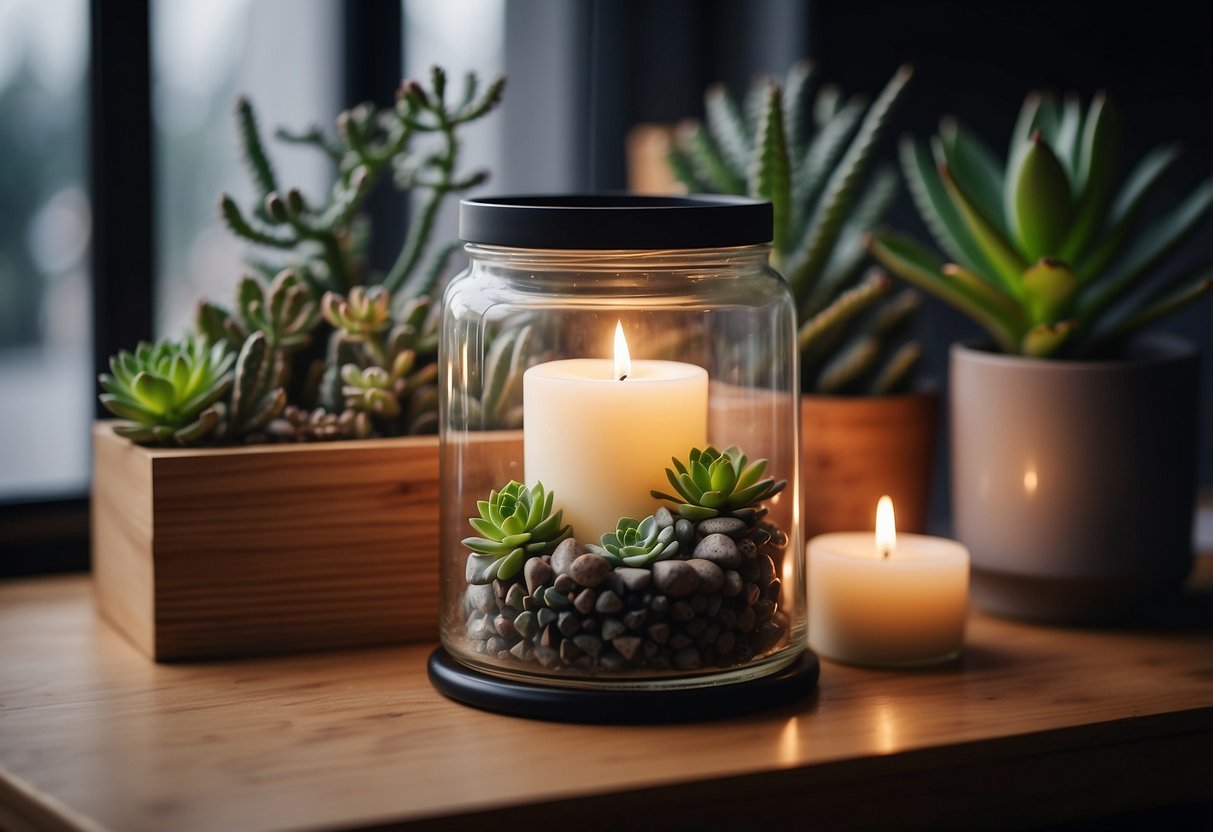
[
  {"x": 885, "y": 553},
  {"x": 622, "y": 377}
]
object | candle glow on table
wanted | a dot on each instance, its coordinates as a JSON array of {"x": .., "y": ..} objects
[
  {"x": 887, "y": 599},
  {"x": 600, "y": 432}
]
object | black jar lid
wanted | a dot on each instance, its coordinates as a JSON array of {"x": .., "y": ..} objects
[{"x": 615, "y": 221}]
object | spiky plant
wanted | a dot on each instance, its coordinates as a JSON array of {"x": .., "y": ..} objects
[
  {"x": 167, "y": 392},
  {"x": 637, "y": 543},
  {"x": 713, "y": 482},
  {"x": 1046, "y": 252},
  {"x": 811, "y": 156},
  {"x": 257, "y": 395},
  {"x": 516, "y": 523}
]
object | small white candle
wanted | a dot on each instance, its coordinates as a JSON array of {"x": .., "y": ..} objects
[
  {"x": 600, "y": 432},
  {"x": 887, "y": 600}
]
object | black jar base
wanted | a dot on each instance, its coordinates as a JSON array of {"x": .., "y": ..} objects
[{"x": 621, "y": 707}]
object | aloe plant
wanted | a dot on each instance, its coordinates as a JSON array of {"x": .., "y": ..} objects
[
  {"x": 811, "y": 154},
  {"x": 1047, "y": 252}
]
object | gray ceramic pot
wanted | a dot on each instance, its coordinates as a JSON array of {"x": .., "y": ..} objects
[{"x": 1073, "y": 483}]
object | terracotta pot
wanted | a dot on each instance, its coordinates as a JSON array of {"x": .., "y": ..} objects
[
  {"x": 855, "y": 449},
  {"x": 1074, "y": 482}
]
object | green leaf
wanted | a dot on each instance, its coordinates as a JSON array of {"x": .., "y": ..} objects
[
  {"x": 770, "y": 174},
  {"x": 1159, "y": 308},
  {"x": 1007, "y": 262},
  {"x": 1068, "y": 136},
  {"x": 1041, "y": 197},
  {"x": 1049, "y": 288},
  {"x": 796, "y": 106},
  {"x": 510, "y": 565},
  {"x": 156, "y": 393},
  {"x": 1043, "y": 340},
  {"x": 707, "y": 162},
  {"x": 849, "y": 365},
  {"x": 974, "y": 166},
  {"x": 1099, "y": 155},
  {"x": 898, "y": 371},
  {"x": 727, "y": 127},
  {"x": 986, "y": 292}
]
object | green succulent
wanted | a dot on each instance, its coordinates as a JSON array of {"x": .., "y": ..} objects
[
  {"x": 811, "y": 155},
  {"x": 713, "y": 482},
  {"x": 516, "y": 523},
  {"x": 167, "y": 391},
  {"x": 499, "y": 406},
  {"x": 637, "y": 543},
  {"x": 1046, "y": 252},
  {"x": 363, "y": 314},
  {"x": 257, "y": 394}
]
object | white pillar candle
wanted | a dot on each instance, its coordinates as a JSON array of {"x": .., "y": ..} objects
[
  {"x": 894, "y": 603},
  {"x": 602, "y": 443}
]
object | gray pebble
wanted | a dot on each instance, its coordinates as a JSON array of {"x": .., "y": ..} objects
[
  {"x": 608, "y": 602},
  {"x": 590, "y": 645},
  {"x": 544, "y": 617},
  {"x": 664, "y": 517},
  {"x": 745, "y": 619},
  {"x": 537, "y": 574},
  {"x": 496, "y": 645},
  {"x": 659, "y": 604},
  {"x": 767, "y": 636},
  {"x": 532, "y": 603},
  {"x": 526, "y": 625},
  {"x": 515, "y": 596},
  {"x": 568, "y": 623},
  {"x": 659, "y": 633},
  {"x": 680, "y": 640},
  {"x": 478, "y": 626},
  {"x": 612, "y": 661},
  {"x": 635, "y": 619},
  {"x": 687, "y": 659},
  {"x": 730, "y": 526},
  {"x": 726, "y": 618},
  {"x": 590, "y": 625},
  {"x": 766, "y": 570},
  {"x": 634, "y": 579},
  {"x": 522, "y": 650},
  {"x": 505, "y": 627},
  {"x": 567, "y": 551},
  {"x": 732, "y": 584},
  {"x": 682, "y": 611},
  {"x": 550, "y": 637},
  {"x": 628, "y": 646},
  {"x": 720, "y": 549},
  {"x": 684, "y": 533},
  {"x": 499, "y": 588},
  {"x": 771, "y": 593},
  {"x": 590, "y": 569},
  {"x": 547, "y": 656},
  {"x": 760, "y": 537},
  {"x": 612, "y": 628},
  {"x": 698, "y": 603},
  {"x": 714, "y": 602},
  {"x": 725, "y": 643},
  {"x": 675, "y": 578},
  {"x": 480, "y": 597},
  {"x": 763, "y": 610},
  {"x": 584, "y": 602},
  {"x": 564, "y": 583},
  {"x": 556, "y": 599},
  {"x": 747, "y": 548},
  {"x": 650, "y": 649},
  {"x": 569, "y": 651},
  {"x": 749, "y": 570},
  {"x": 751, "y": 594},
  {"x": 711, "y": 577}
]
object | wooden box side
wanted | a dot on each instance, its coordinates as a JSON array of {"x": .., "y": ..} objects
[
  {"x": 120, "y": 517},
  {"x": 284, "y": 548}
]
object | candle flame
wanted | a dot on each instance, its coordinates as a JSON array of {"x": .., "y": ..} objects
[
  {"x": 623, "y": 359},
  {"x": 886, "y": 527}
]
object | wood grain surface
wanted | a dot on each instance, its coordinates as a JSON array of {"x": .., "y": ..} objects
[{"x": 1032, "y": 725}]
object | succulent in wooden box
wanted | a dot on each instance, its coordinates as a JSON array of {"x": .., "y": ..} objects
[
  {"x": 713, "y": 482},
  {"x": 810, "y": 155},
  {"x": 637, "y": 543},
  {"x": 1045, "y": 252},
  {"x": 516, "y": 523}
]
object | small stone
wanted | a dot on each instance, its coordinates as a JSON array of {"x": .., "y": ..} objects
[
  {"x": 514, "y": 597},
  {"x": 730, "y": 526},
  {"x": 662, "y": 660},
  {"x": 766, "y": 570},
  {"x": 725, "y": 643},
  {"x": 749, "y": 570},
  {"x": 584, "y": 602},
  {"x": 479, "y": 647},
  {"x": 720, "y": 550},
  {"x": 684, "y": 533},
  {"x": 505, "y": 627},
  {"x": 550, "y": 637},
  {"x": 531, "y": 603},
  {"x": 628, "y": 646},
  {"x": 564, "y": 583},
  {"x": 588, "y": 644},
  {"x": 771, "y": 593},
  {"x": 568, "y": 623},
  {"x": 496, "y": 645},
  {"x": 664, "y": 517},
  {"x": 522, "y": 650},
  {"x": 499, "y": 588},
  {"x": 710, "y": 634},
  {"x": 478, "y": 626},
  {"x": 698, "y": 603},
  {"x": 634, "y": 579},
  {"x": 590, "y": 625},
  {"x": 743, "y": 653},
  {"x": 760, "y": 537},
  {"x": 547, "y": 656},
  {"x": 763, "y": 610},
  {"x": 746, "y": 619},
  {"x": 615, "y": 584},
  {"x": 590, "y": 569},
  {"x": 747, "y": 548},
  {"x": 711, "y": 577},
  {"x": 526, "y": 625},
  {"x": 536, "y": 573},
  {"x": 659, "y": 604},
  {"x": 687, "y": 659},
  {"x": 612, "y": 628},
  {"x": 544, "y": 616},
  {"x": 569, "y": 651},
  {"x": 681, "y": 640},
  {"x": 752, "y": 594},
  {"x": 768, "y": 636},
  {"x": 696, "y": 626},
  {"x": 556, "y": 599},
  {"x": 612, "y": 661},
  {"x": 714, "y": 602},
  {"x": 732, "y": 584},
  {"x": 659, "y": 633},
  {"x": 726, "y": 618},
  {"x": 566, "y": 552},
  {"x": 635, "y": 619},
  {"x": 608, "y": 602},
  {"x": 650, "y": 649},
  {"x": 480, "y": 597},
  {"x": 675, "y": 578},
  {"x": 682, "y": 611}
]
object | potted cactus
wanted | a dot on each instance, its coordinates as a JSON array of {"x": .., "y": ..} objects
[
  {"x": 1073, "y": 443},
  {"x": 216, "y": 502},
  {"x": 867, "y": 428}
]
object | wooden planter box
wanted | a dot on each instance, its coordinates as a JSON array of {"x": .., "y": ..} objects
[{"x": 264, "y": 549}]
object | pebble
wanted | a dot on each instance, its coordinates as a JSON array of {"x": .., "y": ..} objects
[
  {"x": 531, "y": 603},
  {"x": 763, "y": 610},
  {"x": 556, "y": 599},
  {"x": 664, "y": 518},
  {"x": 496, "y": 645},
  {"x": 608, "y": 602},
  {"x": 590, "y": 645},
  {"x": 682, "y": 611},
  {"x": 680, "y": 640},
  {"x": 550, "y": 637},
  {"x": 634, "y": 579},
  {"x": 659, "y": 633},
  {"x": 584, "y": 602},
  {"x": 727, "y": 618},
  {"x": 589, "y": 624},
  {"x": 771, "y": 593},
  {"x": 547, "y": 656},
  {"x": 698, "y": 603},
  {"x": 567, "y": 551},
  {"x": 480, "y": 597},
  {"x": 569, "y": 651},
  {"x": 478, "y": 626},
  {"x": 612, "y": 661},
  {"x": 568, "y": 623},
  {"x": 499, "y": 588},
  {"x": 526, "y": 625},
  {"x": 732, "y": 584},
  {"x": 751, "y": 594},
  {"x": 522, "y": 650},
  {"x": 544, "y": 616},
  {"x": 675, "y": 578},
  {"x": 748, "y": 549},
  {"x": 590, "y": 569},
  {"x": 696, "y": 626},
  {"x": 766, "y": 570},
  {"x": 714, "y": 602},
  {"x": 711, "y": 577},
  {"x": 768, "y": 635},
  {"x": 730, "y": 526},
  {"x": 628, "y": 646},
  {"x": 651, "y": 649},
  {"x": 760, "y": 537},
  {"x": 749, "y": 570},
  {"x": 514, "y": 598},
  {"x": 564, "y": 583},
  {"x": 505, "y": 627},
  {"x": 687, "y": 659},
  {"x": 612, "y": 628},
  {"x": 745, "y": 619},
  {"x": 659, "y": 604},
  {"x": 635, "y": 619},
  {"x": 720, "y": 549},
  {"x": 725, "y": 643},
  {"x": 537, "y": 574},
  {"x": 684, "y": 533}
]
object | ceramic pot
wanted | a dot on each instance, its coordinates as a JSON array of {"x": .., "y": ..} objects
[
  {"x": 1073, "y": 482},
  {"x": 854, "y": 449}
]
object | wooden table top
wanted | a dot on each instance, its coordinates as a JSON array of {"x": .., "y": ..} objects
[{"x": 1033, "y": 724}]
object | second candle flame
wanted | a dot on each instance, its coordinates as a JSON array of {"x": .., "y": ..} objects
[
  {"x": 623, "y": 360},
  {"x": 886, "y": 527}
]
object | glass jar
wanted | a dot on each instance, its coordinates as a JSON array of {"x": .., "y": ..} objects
[{"x": 619, "y": 438}]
